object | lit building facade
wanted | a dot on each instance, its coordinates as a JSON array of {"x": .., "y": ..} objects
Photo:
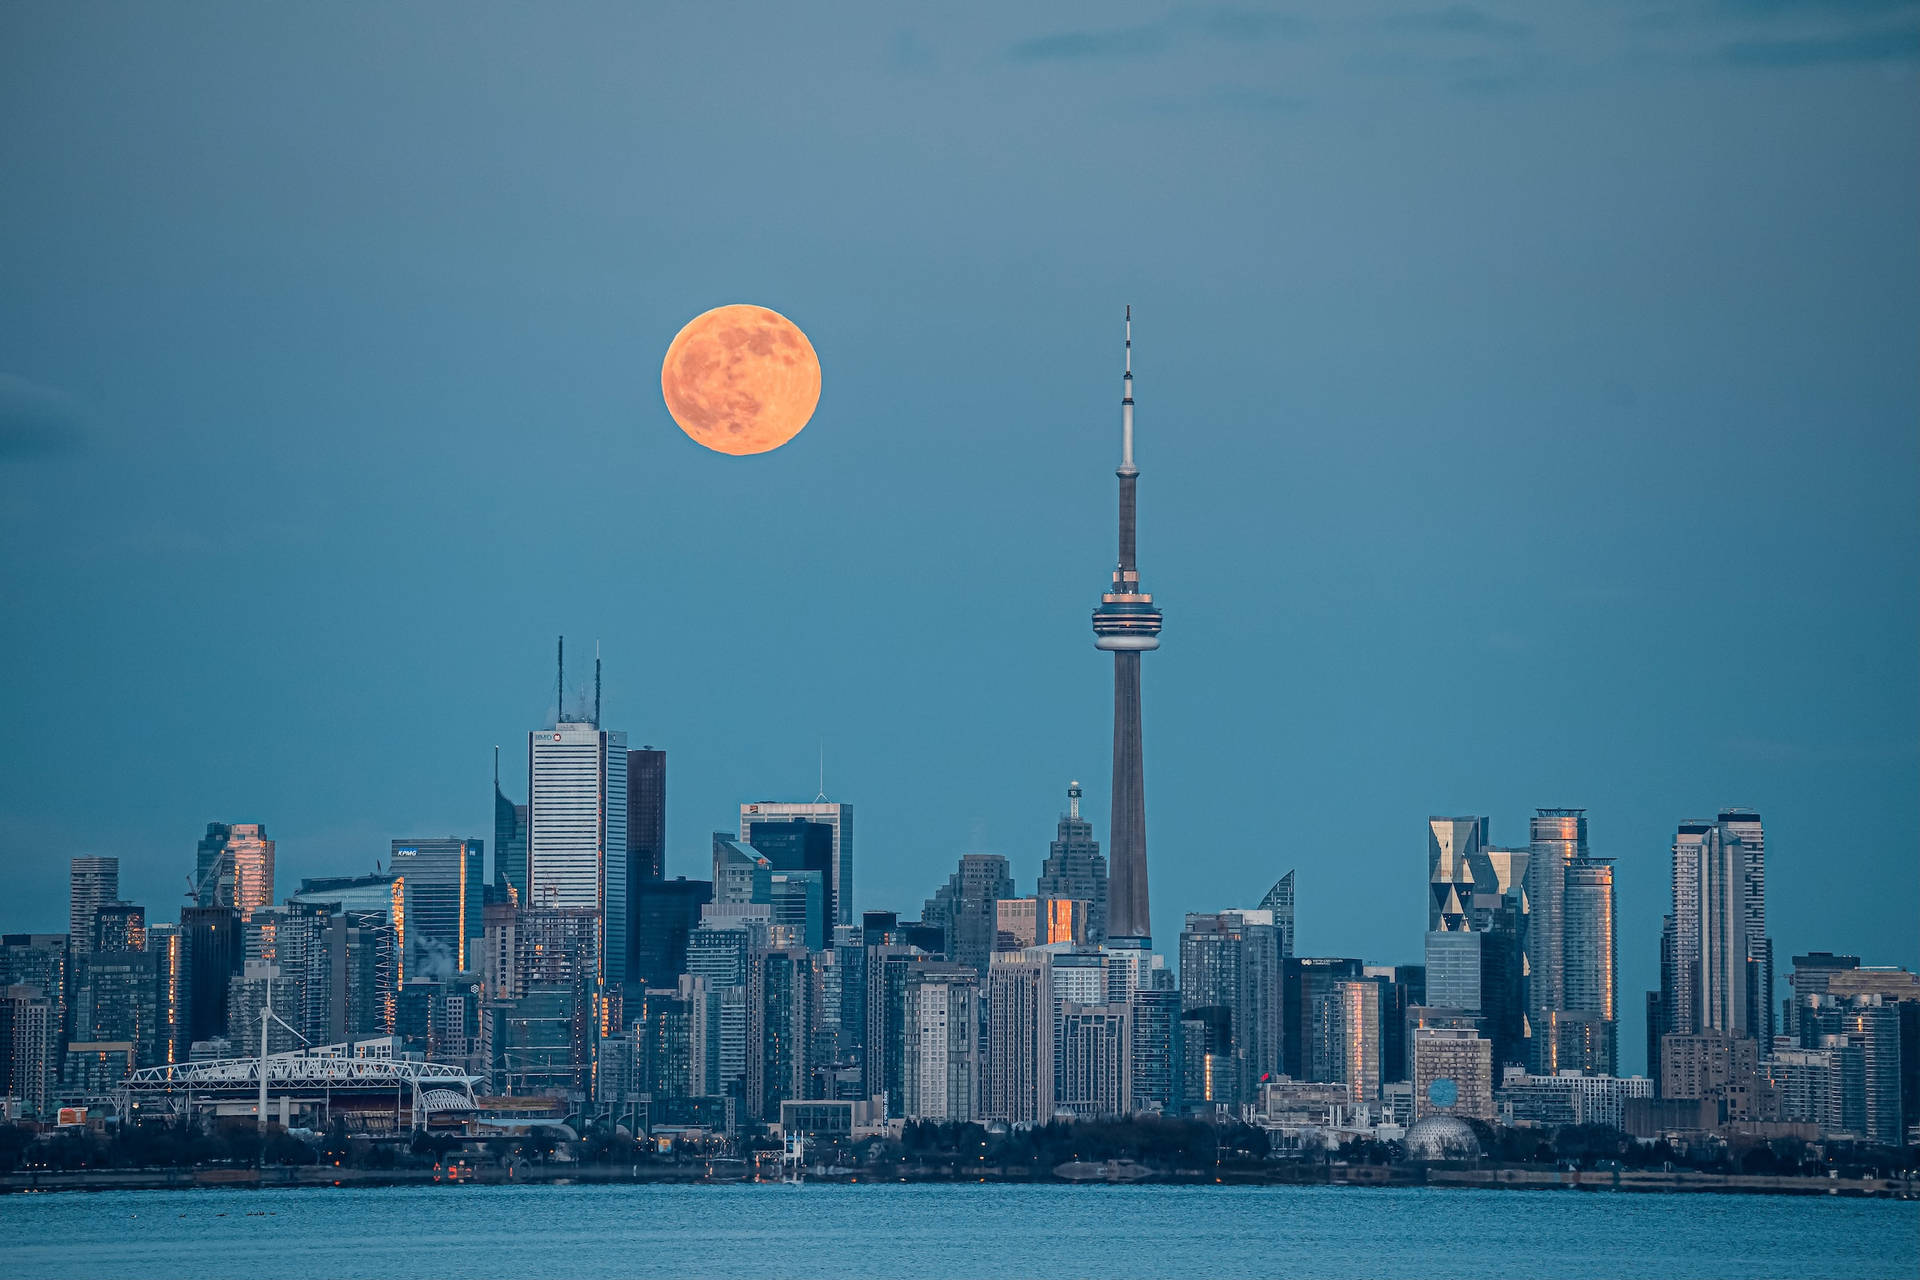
[
  {"x": 444, "y": 880},
  {"x": 577, "y": 830}
]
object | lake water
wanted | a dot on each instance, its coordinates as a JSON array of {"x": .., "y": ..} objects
[{"x": 929, "y": 1232}]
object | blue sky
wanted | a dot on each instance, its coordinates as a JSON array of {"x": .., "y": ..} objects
[{"x": 1527, "y": 417}]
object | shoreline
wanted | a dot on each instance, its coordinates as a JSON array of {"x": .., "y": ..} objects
[{"x": 1464, "y": 1178}]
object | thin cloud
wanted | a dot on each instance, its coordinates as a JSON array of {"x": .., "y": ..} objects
[
  {"x": 1460, "y": 20},
  {"x": 1223, "y": 25},
  {"x": 1868, "y": 46}
]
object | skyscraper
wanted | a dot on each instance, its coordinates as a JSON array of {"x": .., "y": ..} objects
[
  {"x": 966, "y": 908},
  {"x": 1744, "y": 825},
  {"x": 1558, "y": 838},
  {"x": 1279, "y": 901},
  {"x": 1586, "y": 1031},
  {"x": 774, "y": 822},
  {"x": 647, "y": 814},
  {"x": 509, "y": 840},
  {"x": 1716, "y": 960},
  {"x": 29, "y": 1040},
  {"x": 1571, "y": 1001},
  {"x": 664, "y": 914},
  {"x": 577, "y": 829},
  {"x": 1230, "y": 962},
  {"x": 1074, "y": 868},
  {"x": 443, "y": 878},
  {"x": 1476, "y": 888},
  {"x": 1019, "y": 1038},
  {"x": 1127, "y": 624},
  {"x": 233, "y": 867},
  {"x": 214, "y": 956},
  {"x": 92, "y": 883},
  {"x": 251, "y": 855},
  {"x": 941, "y": 1072}
]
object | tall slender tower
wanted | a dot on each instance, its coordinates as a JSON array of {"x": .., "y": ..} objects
[{"x": 1127, "y": 624}]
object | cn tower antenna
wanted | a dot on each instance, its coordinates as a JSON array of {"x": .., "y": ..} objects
[{"x": 1126, "y": 400}]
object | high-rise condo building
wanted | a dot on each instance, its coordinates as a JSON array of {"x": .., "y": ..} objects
[
  {"x": 1093, "y": 1042},
  {"x": 1558, "y": 839},
  {"x": 444, "y": 880},
  {"x": 1571, "y": 1000},
  {"x": 233, "y": 867},
  {"x": 577, "y": 830},
  {"x": 1230, "y": 961},
  {"x": 942, "y": 1068},
  {"x": 815, "y": 836},
  {"x": 966, "y": 907},
  {"x": 1019, "y": 1065},
  {"x": 1304, "y": 982},
  {"x": 1348, "y": 1041},
  {"x": 41, "y": 960},
  {"x": 29, "y": 1044},
  {"x": 1075, "y": 870},
  {"x": 1155, "y": 1059},
  {"x": 1586, "y": 1028},
  {"x": 91, "y": 883},
  {"x": 1127, "y": 624},
  {"x": 115, "y": 1000},
  {"x": 1716, "y": 960}
]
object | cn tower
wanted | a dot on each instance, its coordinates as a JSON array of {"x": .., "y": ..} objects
[{"x": 1126, "y": 624}]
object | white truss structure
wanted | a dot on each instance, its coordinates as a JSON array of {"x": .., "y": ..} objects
[{"x": 363, "y": 1067}]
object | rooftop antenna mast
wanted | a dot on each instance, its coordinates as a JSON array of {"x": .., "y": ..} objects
[
  {"x": 560, "y": 682},
  {"x": 822, "y": 797},
  {"x": 596, "y": 684}
]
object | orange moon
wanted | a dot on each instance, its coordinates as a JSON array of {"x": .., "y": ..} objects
[{"x": 741, "y": 379}]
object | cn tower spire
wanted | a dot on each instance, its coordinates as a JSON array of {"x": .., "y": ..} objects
[{"x": 1127, "y": 624}]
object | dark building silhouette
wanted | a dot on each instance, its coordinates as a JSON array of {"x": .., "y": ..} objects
[
  {"x": 797, "y": 844},
  {"x": 646, "y": 814},
  {"x": 215, "y": 954},
  {"x": 664, "y": 913},
  {"x": 965, "y": 908}
]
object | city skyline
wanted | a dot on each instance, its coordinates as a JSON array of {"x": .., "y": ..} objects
[{"x": 1523, "y": 435}]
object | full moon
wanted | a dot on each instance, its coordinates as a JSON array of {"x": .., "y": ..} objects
[{"x": 741, "y": 379}]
